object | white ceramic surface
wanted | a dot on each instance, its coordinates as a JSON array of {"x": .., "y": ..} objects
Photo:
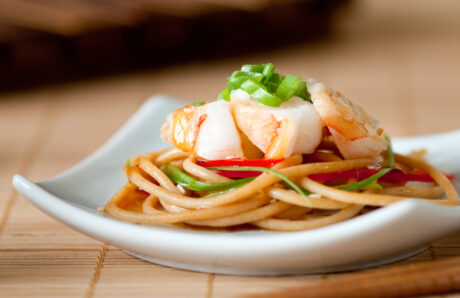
[{"x": 385, "y": 235}]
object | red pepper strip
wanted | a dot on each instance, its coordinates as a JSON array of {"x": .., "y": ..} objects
[
  {"x": 266, "y": 163},
  {"x": 238, "y": 174},
  {"x": 393, "y": 177}
]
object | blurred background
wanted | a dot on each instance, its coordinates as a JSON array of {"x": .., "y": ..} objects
[
  {"x": 399, "y": 59},
  {"x": 53, "y": 41}
]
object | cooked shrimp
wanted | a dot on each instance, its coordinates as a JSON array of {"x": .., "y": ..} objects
[
  {"x": 293, "y": 127},
  {"x": 182, "y": 126},
  {"x": 206, "y": 131},
  {"x": 218, "y": 137},
  {"x": 355, "y": 133}
]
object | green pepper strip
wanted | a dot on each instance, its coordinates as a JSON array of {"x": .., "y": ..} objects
[
  {"x": 267, "y": 170},
  {"x": 179, "y": 177},
  {"x": 363, "y": 183},
  {"x": 390, "y": 154}
]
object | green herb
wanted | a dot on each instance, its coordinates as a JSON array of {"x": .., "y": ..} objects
[
  {"x": 128, "y": 163},
  {"x": 390, "y": 153},
  {"x": 181, "y": 178},
  {"x": 373, "y": 185},
  {"x": 260, "y": 92},
  {"x": 288, "y": 87},
  {"x": 267, "y": 170},
  {"x": 364, "y": 183},
  {"x": 198, "y": 104},
  {"x": 224, "y": 94},
  {"x": 266, "y": 86}
]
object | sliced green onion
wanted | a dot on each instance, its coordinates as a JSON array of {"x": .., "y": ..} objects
[
  {"x": 181, "y": 178},
  {"x": 198, "y": 104},
  {"x": 302, "y": 92},
  {"x": 363, "y": 183},
  {"x": 224, "y": 94},
  {"x": 272, "y": 82},
  {"x": 265, "y": 69},
  {"x": 267, "y": 170},
  {"x": 128, "y": 163},
  {"x": 266, "y": 86},
  {"x": 259, "y": 92},
  {"x": 390, "y": 153},
  {"x": 373, "y": 185},
  {"x": 288, "y": 87},
  {"x": 239, "y": 77}
]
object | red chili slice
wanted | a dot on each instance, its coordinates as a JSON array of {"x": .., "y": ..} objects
[{"x": 393, "y": 177}]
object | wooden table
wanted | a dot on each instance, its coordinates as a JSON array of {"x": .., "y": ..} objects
[{"x": 404, "y": 69}]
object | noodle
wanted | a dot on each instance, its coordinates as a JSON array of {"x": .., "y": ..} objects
[{"x": 151, "y": 197}]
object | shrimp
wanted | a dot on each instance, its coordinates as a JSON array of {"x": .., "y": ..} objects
[
  {"x": 245, "y": 128},
  {"x": 207, "y": 131},
  {"x": 355, "y": 133},
  {"x": 293, "y": 127}
]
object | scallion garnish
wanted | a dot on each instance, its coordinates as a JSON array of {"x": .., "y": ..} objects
[
  {"x": 267, "y": 170},
  {"x": 224, "y": 94},
  {"x": 198, "y": 104},
  {"x": 181, "y": 178},
  {"x": 260, "y": 92},
  {"x": 266, "y": 86},
  {"x": 390, "y": 153},
  {"x": 363, "y": 183},
  {"x": 288, "y": 87}
]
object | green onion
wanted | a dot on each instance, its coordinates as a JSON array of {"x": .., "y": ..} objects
[
  {"x": 181, "y": 178},
  {"x": 373, "y": 185},
  {"x": 198, "y": 104},
  {"x": 128, "y": 163},
  {"x": 288, "y": 87},
  {"x": 302, "y": 92},
  {"x": 239, "y": 77},
  {"x": 390, "y": 154},
  {"x": 224, "y": 94},
  {"x": 265, "y": 69},
  {"x": 363, "y": 183},
  {"x": 259, "y": 92},
  {"x": 266, "y": 86},
  {"x": 267, "y": 170}
]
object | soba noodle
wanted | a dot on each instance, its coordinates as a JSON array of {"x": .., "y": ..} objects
[{"x": 151, "y": 197}]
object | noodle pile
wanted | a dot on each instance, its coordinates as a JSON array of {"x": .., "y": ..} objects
[{"x": 150, "y": 197}]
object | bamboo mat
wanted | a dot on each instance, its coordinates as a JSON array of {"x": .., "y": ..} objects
[{"x": 408, "y": 79}]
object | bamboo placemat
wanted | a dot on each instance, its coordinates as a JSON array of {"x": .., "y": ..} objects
[{"x": 408, "y": 80}]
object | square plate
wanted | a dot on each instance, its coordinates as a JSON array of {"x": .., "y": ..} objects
[{"x": 382, "y": 236}]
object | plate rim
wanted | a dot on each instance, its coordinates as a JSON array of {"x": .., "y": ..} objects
[{"x": 274, "y": 242}]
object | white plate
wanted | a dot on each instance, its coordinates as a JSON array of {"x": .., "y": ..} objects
[{"x": 385, "y": 235}]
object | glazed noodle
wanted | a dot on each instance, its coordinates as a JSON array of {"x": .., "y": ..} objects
[
  {"x": 262, "y": 202},
  {"x": 329, "y": 180}
]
